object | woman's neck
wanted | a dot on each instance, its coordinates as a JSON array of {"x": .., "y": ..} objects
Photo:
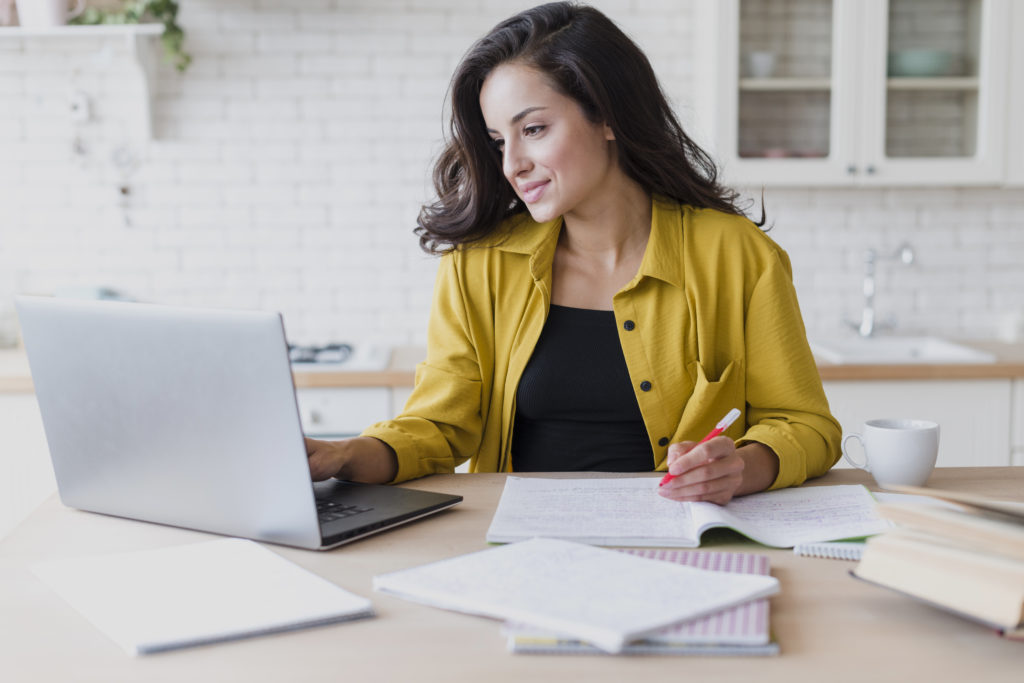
[{"x": 610, "y": 230}]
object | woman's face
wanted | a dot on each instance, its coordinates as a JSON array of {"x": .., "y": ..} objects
[{"x": 557, "y": 160}]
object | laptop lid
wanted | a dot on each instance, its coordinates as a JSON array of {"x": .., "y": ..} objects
[{"x": 181, "y": 416}]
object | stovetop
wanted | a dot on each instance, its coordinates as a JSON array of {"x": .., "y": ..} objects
[{"x": 339, "y": 356}]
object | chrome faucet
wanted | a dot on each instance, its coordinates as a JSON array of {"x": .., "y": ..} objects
[{"x": 867, "y": 326}]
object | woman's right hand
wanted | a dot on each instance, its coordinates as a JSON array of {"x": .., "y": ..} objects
[{"x": 363, "y": 459}]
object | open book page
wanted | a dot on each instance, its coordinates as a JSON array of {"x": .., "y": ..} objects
[
  {"x": 155, "y": 600},
  {"x": 971, "y": 501},
  {"x": 605, "y": 597},
  {"x": 618, "y": 511},
  {"x": 787, "y": 517}
]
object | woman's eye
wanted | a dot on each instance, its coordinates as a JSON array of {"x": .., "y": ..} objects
[
  {"x": 498, "y": 144},
  {"x": 531, "y": 131}
]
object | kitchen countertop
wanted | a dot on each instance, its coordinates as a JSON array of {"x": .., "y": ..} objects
[{"x": 15, "y": 376}]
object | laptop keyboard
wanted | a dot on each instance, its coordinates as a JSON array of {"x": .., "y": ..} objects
[{"x": 329, "y": 510}]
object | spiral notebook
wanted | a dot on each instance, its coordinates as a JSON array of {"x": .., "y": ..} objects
[{"x": 832, "y": 550}]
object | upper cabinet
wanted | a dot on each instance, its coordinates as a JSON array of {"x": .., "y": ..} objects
[
  {"x": 1015, "y": 128},
  {"x": 855, "y": 92}
]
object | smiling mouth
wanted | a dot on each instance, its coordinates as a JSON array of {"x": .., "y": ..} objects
[{"x": 533, "y": 191}]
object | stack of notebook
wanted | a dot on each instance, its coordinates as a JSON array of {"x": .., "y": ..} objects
[
  {"x": 575, "y": 597},
  {"x": 968, "y": 560}
]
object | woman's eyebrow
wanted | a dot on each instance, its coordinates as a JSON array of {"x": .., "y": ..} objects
[{"x": 519, "y": 117}]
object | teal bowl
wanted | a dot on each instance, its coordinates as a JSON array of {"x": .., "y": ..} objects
[{"x": 920, "y": 63}]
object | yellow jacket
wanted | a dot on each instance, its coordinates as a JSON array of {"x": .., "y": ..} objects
[{"x": 710, "y": 322}]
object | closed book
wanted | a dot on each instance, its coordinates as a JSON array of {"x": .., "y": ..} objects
[
  {"x": 968, "y": 528},
  {"x": 982, "y": 586},
  {"x": 1009, "y": 510}
]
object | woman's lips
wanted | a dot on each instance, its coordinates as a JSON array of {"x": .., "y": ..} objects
[{"x": 533, "y": 191}]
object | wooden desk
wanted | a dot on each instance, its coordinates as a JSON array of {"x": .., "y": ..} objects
[{"x": 830, "y": 626}]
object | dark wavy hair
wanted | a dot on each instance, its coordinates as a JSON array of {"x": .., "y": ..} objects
[{"x": 586, "y": 57}]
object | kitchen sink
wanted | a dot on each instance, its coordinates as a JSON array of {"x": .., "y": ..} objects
[{"x": 896, "y": 351}]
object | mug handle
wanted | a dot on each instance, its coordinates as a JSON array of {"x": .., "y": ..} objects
[
  {"x": 848, "y": 458},
  {"x": 78, "y": 9}
]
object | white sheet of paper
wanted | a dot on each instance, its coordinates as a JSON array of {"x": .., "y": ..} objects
[
  {"x": 602, "y": 596},
  {"x": 154, "y": 600}
]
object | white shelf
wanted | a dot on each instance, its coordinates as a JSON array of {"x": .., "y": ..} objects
[
  {"x": 785, "y": 84},
  {"x": 141, "y": 41},
  {"x": 99, "y": 30},
  {"x": 932, "y": 83}
]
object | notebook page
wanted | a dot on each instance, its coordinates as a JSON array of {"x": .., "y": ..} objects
[
  {"x": 617, "y": 511},
  {"x": 154, "y": 600},
  {"x": 787, "y": 517},
  {"x": 603, "y": 596}
]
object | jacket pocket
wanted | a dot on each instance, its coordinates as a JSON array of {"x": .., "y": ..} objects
[{"x": 710, "y": 401}]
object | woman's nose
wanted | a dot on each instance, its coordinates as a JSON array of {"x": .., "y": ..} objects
[{"x": 513, "y": 160}]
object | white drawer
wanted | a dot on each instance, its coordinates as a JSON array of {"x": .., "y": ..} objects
[{"x": 342, "y": 412}]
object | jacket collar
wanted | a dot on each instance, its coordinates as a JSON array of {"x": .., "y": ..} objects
[{"x": 663, "y": 258}]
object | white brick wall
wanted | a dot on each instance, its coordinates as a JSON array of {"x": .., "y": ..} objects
[{"x": 292, "y": 158}]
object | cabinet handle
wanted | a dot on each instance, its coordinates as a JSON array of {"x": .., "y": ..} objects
[
  {"x": 871, "y": 169},
  {"x": 851, "y": 169}
]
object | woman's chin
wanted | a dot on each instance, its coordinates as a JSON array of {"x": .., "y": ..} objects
[{"x": 542, "y": 214}]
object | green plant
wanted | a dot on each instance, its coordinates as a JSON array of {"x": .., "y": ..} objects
[{"x": 139, "y": 11}]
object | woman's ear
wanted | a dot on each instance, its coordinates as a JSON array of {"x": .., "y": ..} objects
[{"x": 608, "y": 133}]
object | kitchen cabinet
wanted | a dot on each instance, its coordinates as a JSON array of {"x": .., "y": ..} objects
[
  {"x": 974, "y": 415},
  {"x": 1015, "y": 131},
  {"x": 26, "y": 475},
  {"x": 1017, "y": 424},
  {"x": 854, "y": 92},
  {"x": 334, "y": 413}
]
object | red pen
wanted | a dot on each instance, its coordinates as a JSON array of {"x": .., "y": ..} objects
[{"x": 722, "y": 425}]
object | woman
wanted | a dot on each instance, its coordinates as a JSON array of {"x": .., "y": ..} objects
[{"x": 601, "y": 301}]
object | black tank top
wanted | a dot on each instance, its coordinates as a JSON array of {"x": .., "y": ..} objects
[{"x": 575, "y": 406}]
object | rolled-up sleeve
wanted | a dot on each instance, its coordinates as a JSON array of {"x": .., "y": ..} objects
[
  {"x": 787, "y": 407},
  {"x": 440, "y": 426}
]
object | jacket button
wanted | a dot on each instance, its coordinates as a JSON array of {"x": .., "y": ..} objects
[
  {"x": 663, "y": 441},
  {"x": 645, "y": 386},
  {"x": 629, "y": 325}
]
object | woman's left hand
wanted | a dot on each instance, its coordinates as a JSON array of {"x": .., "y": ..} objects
[{"x": 711, "y": 471}]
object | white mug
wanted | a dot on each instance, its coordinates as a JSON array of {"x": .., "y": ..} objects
[
  {"x": 897, "y": 451},
  {"x": 45, "y": 13}
]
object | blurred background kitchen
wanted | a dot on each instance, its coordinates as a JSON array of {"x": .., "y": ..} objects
[{"x": 284, "y": 167}]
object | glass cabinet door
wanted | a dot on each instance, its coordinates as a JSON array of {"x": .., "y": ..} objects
[
  {"x": 783, "y": 97},
  {"x": 785, "y": 79},
  {"x": 931, "y": 107},
  {"x": 934, "y": 92},
  {"x": 840, "y": 92}
]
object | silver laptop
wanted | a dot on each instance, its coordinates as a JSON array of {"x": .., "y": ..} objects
[{"x": 188, "y": 417}]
